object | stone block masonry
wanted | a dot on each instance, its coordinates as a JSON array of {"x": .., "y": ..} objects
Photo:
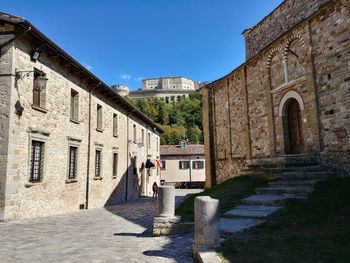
[
  {"x": 111, "y": 139},
  {"x": 305, "y": 60}
]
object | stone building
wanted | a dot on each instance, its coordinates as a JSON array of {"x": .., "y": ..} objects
[
  {"x": 122, "y": 90},
  {"x": 67, "y": 140},
  {"x": 183, "y": 164},
  {"x": 166, "y": 87},
  {"x": 292, "y": 95}
]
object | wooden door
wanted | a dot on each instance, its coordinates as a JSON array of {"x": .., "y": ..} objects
[{"x": 296, "y": 140}]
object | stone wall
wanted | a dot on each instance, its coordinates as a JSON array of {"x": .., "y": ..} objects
[
  {"x": 309, "y": 63},
  {"x": 6, "y": 81},
  {"x": 279, "y": 21},
  {"x": 332, "y": 65},
  {"x": 55, "y": 193}
]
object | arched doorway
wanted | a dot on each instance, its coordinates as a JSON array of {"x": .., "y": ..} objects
[{"x": 293, "y": 127}]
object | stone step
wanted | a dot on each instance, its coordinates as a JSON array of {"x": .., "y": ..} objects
[
  {"x": 228, "y": 226},
  {"x": 298, "y": 190},
  {"x": 259, "y": 207},
  {"x": 297, "y": 169},
  {"x": 290, "y": 164},
  {"x": 255, "y": 214},
  {"x": 295, "y": 183},
  {"x": 270, "y": 199},
  {"x": 307, "y": 176}
]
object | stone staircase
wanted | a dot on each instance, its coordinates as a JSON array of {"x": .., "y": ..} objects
[{"x": 294, "y": 177}]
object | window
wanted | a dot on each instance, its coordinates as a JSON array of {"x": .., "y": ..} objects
[
  {"x": 174, "y": 86},
  {"x": 183, "y": 165},
  {"x": 149, "y": 141},
  {"x": 198, "y": 164},
  {"x": 143, "y": 137},
  {"x": 74, "y": 105},
  {"x": 134, "y": 127},
  {"x": 99, "y": 117},
  {"x": 39, "y": 96},
  {"x": 36, "y": 165},
  {"x": 115, "y": 164},
  {"x": 115, "y": 124},
  {"x": 73, "y": 152},
  {"x": 163, "y": 165},
  {"x": 98, "y": 164}
]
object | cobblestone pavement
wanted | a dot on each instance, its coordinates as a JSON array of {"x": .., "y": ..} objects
[{"x": 121, "y": 233}]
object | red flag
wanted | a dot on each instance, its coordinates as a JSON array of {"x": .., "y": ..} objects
[{"x": 159, "y": 164}]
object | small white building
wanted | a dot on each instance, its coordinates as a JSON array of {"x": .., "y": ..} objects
[{"x": 183, "y": 164}]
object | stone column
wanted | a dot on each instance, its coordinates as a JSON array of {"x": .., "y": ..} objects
[
  {"x": 206, "y": 222},
  {"x": 166, "y": 201}
]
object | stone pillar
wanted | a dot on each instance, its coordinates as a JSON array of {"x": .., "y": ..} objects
[
  {"x": 166, "y": 201},
  {"x": 166, "y": 223},
  {"x": 206, "y": 222}
]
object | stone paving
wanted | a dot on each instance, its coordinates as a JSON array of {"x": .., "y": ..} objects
[{"x": 121, "y": 233}]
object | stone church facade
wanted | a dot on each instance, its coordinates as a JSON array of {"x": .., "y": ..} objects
[
  {"x": 291, "y": 96},
  {"x": 71, "y": 144}
]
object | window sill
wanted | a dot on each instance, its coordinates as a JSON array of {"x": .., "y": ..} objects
[
  {"x": 75, "y": 121},
  {"x": 69, "y": 181},
  {"x": 114, "y": 177},
  {"x": 98, "y": 178},
  {"x": 38, "y": 108},
  {"x": 115, "y": 135},
  {"x": 99, "y": 129},
  {"x": 30, "y": 184}
]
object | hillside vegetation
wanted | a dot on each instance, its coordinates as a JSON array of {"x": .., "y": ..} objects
[{"x": 180, "y": 120}]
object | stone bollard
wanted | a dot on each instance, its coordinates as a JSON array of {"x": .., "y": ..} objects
[
  {"x": 166, "y": 201},
  {"x": 206, "y": 222},
  {"x": 166, "y": 223}
]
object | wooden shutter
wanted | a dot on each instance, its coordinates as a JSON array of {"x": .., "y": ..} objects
[
  {"x": 36, "y": 95},
  {"x": 180, "y": 165}
]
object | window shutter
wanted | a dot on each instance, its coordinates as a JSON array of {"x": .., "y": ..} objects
[
  {"x": 193, "y": 164},
  {"x": 180, "y": 165},
  {"x": 188, "y": 164},
  {"x": 76, "y": 106}
]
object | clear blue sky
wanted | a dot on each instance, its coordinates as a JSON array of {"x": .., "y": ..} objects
[{"x": 124, "y": 41}]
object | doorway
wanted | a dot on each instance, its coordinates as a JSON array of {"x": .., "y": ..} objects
[{"x": 294, "y": 127}]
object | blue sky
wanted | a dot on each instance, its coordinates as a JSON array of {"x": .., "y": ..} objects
[{"x": 124, "y": 41}]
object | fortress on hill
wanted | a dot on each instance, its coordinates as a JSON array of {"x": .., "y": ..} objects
[{"x": 163, "y": 87}]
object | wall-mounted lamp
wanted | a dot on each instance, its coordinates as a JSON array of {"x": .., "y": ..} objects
[
  {"x": 35, "y": 54},
  {"x": 40, "y": 79}
]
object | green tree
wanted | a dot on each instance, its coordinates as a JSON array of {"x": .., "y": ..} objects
[{"x": 194, "y": 134}]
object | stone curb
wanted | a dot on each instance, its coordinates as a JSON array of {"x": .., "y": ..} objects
[{"x": 205, "y": 255}]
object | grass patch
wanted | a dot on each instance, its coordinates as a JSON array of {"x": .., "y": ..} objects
[
  {"x": 312, "y": 230},
  {"x": 230, "y": 192}
]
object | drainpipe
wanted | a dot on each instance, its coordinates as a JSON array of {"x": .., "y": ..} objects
[
  {"x": 88, "y": 155},
  {"x": 190, "y": 171},
  {"x": 127, "y": 156}
]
